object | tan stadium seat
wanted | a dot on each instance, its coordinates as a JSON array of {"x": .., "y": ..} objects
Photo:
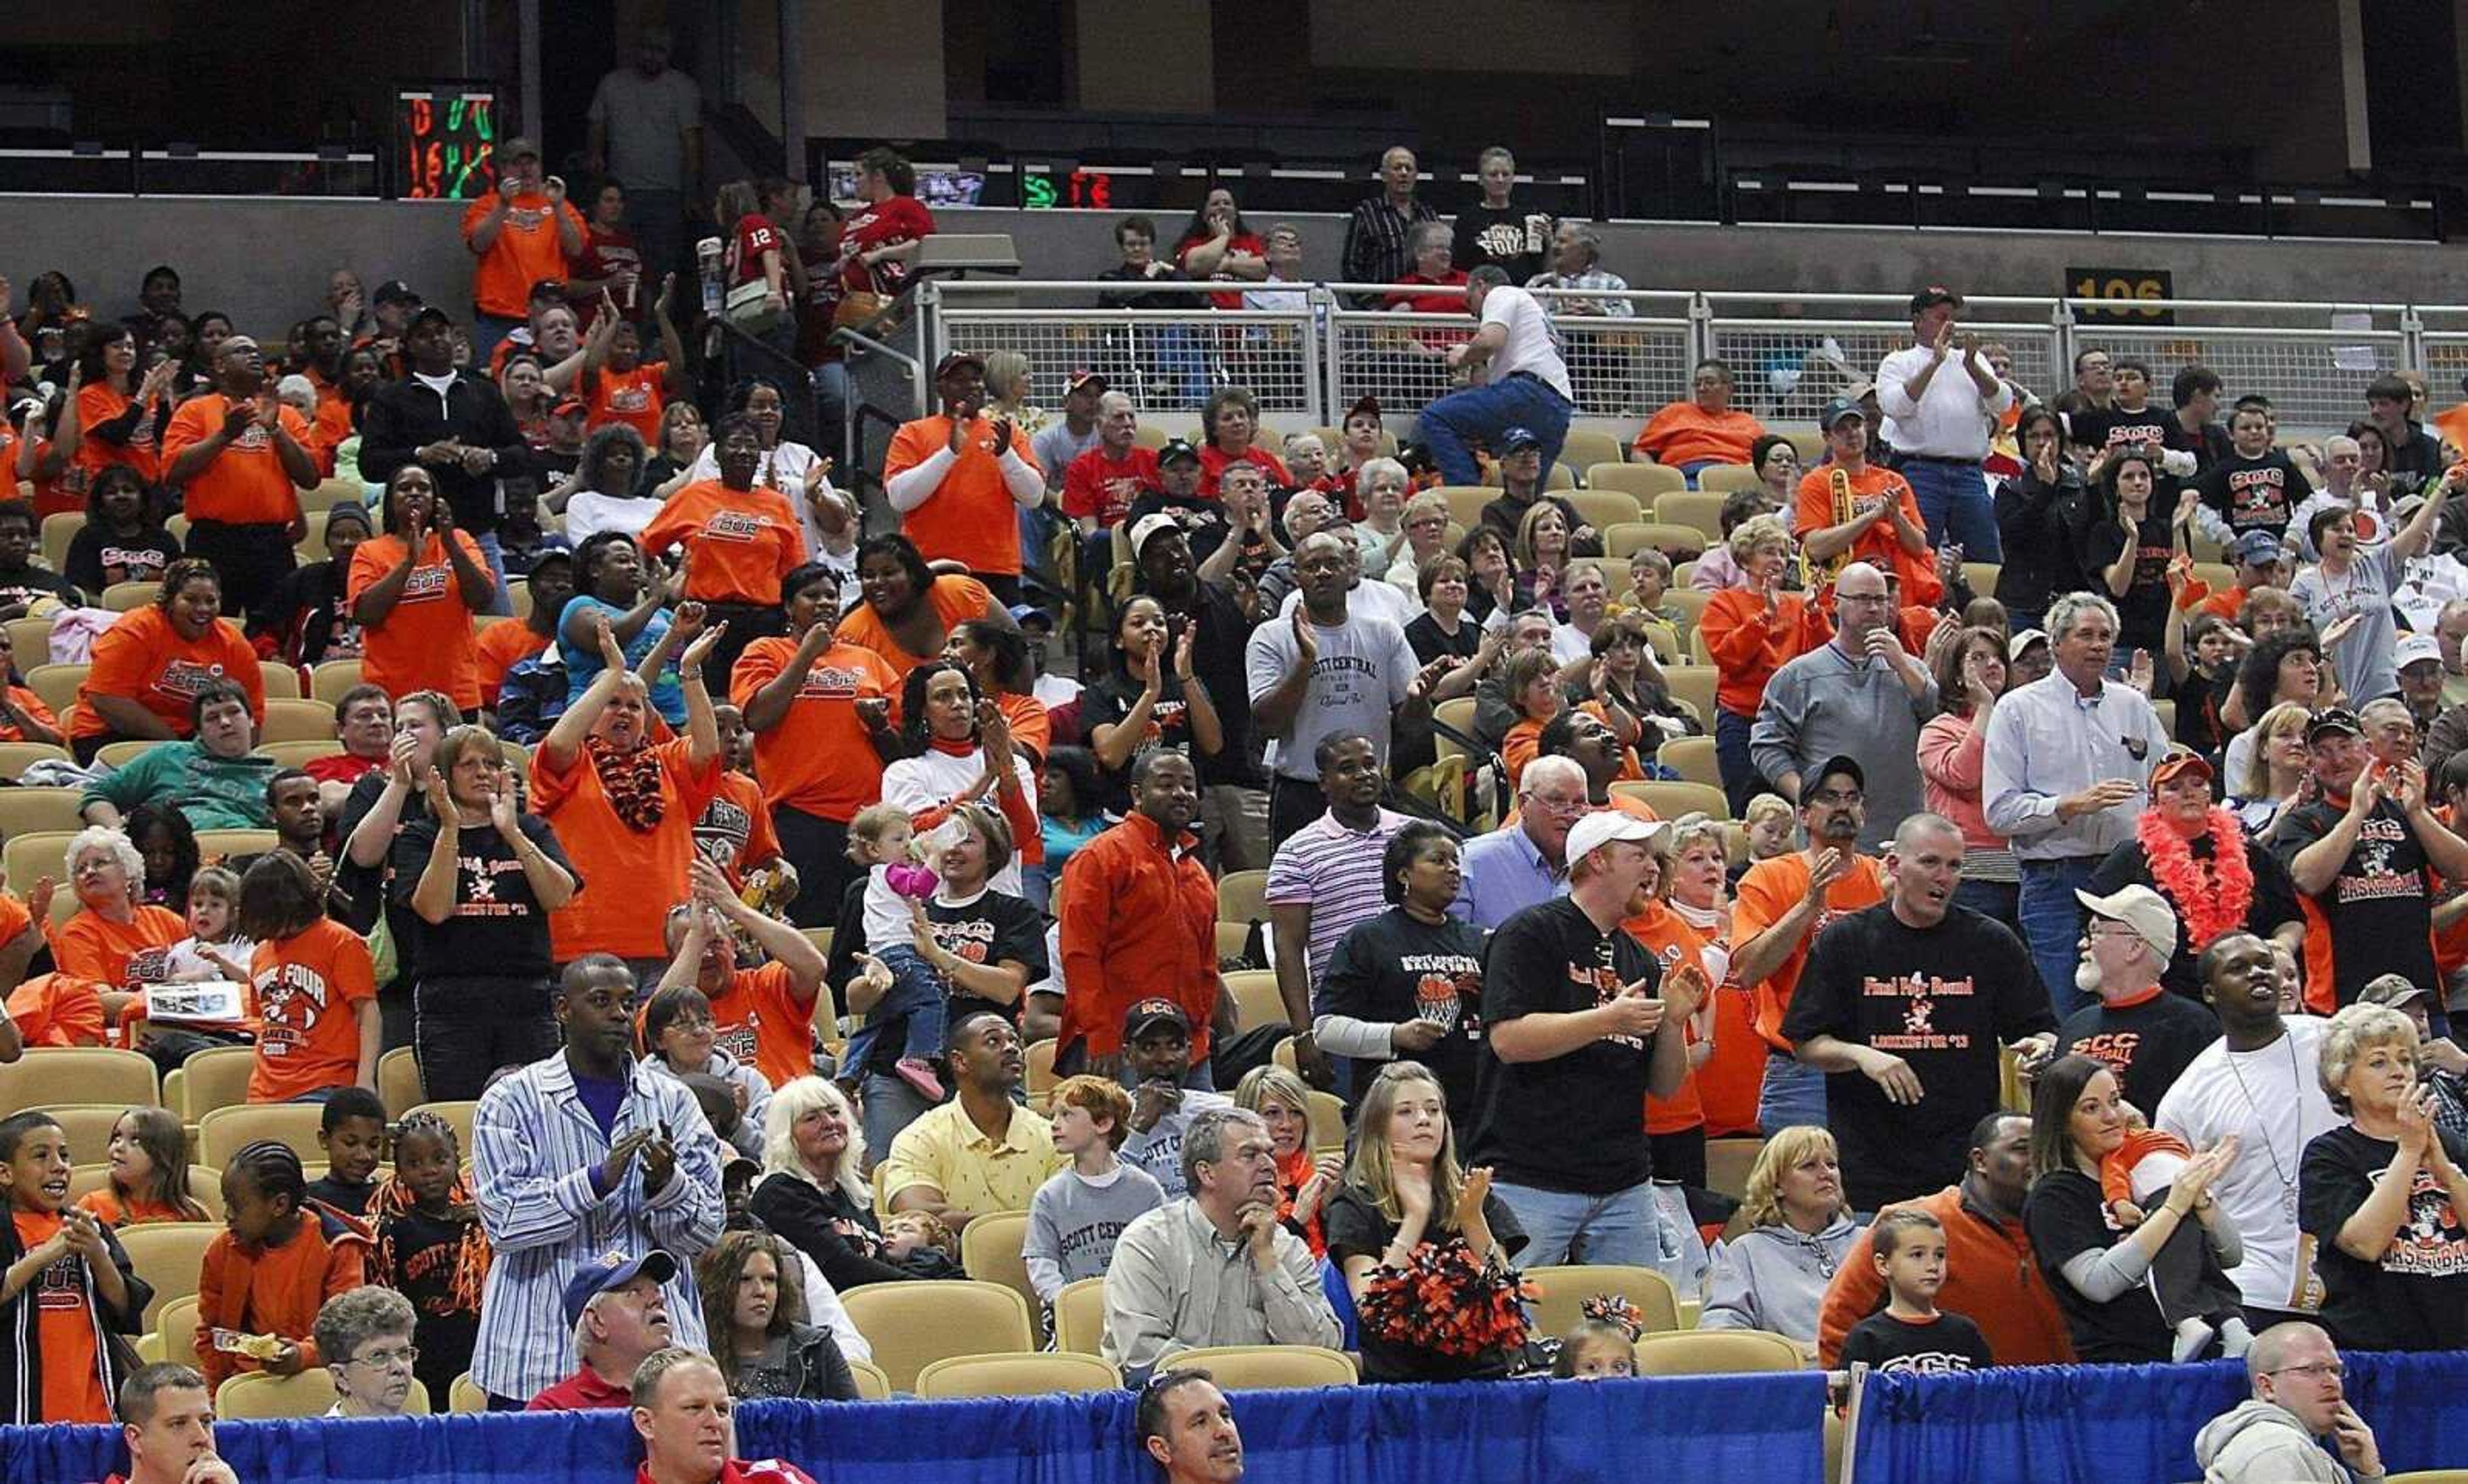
[
  {"x": 227, "y": 1131},
  {"x": 30, "y": 641},
  {"x": 25, "y": 859},
  {"x": 235, "y": 844},
  {"x": 872, "y": 1384},
  {"x": 1466, "y": 502},
  {"x": 59, "y": 529},
  {"x": 332, "y": 493},
  {"x": 280, "y": 679},
  {"x": 58, "y": 685},
  {"x": 1696, "y": 685},
  {"x": 214, "y": 1077},
  {"x": 1682, "y": 545},
  {"x": 311, "y": 545},
  {"x": 1272, "y": 1367},
  {"x": 1687, "y": 605},
  {"x": 1671, "y": 799},
  {"x": 329, "y": 680},
  {"x": 17, "y": 756},
  {"x": 1716, "y": 1352},
  {"x": 87, "y": 1127},
  {"x": 1695, "y": 507},
  {"x": 120, "y": 754},
  {"x": 458, "y": 1116},
  {"x": 205, "y": 1185},
  {"x": 1604, "y": 508},
  {"x": 1811, "y": 448},
  {"x": 399, "y": 1080},
  {"x": 1644, "y": 481},
  {"x": 1256, "y": 1001},
  {"x": 1080, "y": 1316},
  {"x": 37, "y": 811},
  {"x": 1242, "y": 897},
  {"x": 1728, "y": 1162},
  {"x": 1565, "y": 1289},
  {"x": 1982, "y": 577},
  {"x": 123, "y": 597},
  {"x": 1584, "y": 447},
  {"x": 1041, "y": 1071},
  {"x": 467, "y": 1395},
  {"x": 1692, "y": 758},
  {"x": 1017, "y": 1376},
  {"x": 1562, "y": 480},
  {"x": 169, "y": 1256},
  {"x": 73, "y": 1075},
  {"x": 1726, "y": 478},
  {"x": 912, "y": 1324},
  {"x": 989, "y": 1252},
  {"x": 1327, "y": 1113},
  {"x": 253, "y": 1394},
  {"x": 1457, "y": 715},
  {"x": 175, "y": 1328},
  {"x": 291, "y": 719}
]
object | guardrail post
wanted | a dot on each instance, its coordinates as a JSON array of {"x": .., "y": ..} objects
[
  {"x": 2412, "y": 337},
  {"x": 1315, "y": 367},
  {"x": 1323, "y": 327},
  {"x": 932, "y": 335},
  {"x": 2061, "y": 318},
  {"x": 1701, "y": 327}
]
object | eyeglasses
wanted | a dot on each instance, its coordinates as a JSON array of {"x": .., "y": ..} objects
[
  {"x": 388, "y": 1360},
  {"x": 1833, "y": 797},
  {"x": 2320, "y": 1371}
]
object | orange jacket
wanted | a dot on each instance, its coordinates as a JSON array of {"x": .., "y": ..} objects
[
  {"x": 1749, "y": 649},
  {"x": 275, "y": 1290},
  {"x": 1991, "y": 1278},
  {"x": 1137, "y": 920}
]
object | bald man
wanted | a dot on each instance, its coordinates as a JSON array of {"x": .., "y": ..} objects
[{"x": 2298, "y": 1397}]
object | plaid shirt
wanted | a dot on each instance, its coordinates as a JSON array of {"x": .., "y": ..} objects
[
  {"x": 1379, "y": 241},
  {"x": 1592, "y": 278}
]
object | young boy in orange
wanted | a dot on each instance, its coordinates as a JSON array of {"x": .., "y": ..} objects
[
  {"x": 67, "y": 1289},
  {"x": 271, "y": 1270}
]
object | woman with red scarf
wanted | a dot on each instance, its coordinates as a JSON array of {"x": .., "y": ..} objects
[
  {"x": 1305, "y": 1178},
  {"x": 2196, "y": 854}
]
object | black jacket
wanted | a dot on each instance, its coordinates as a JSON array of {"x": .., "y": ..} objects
[
  {"x": 403, "y": 416},
  {"x": 21, "y": 1356},
  {"x": 813, "y": 1371}
]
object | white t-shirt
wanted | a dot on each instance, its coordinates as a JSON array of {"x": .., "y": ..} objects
[
  {"x": 931, "y": 778},
  {"x": 591, "y": 513},
  {"x": 1361, "y": 677},
  {"x": 2272, "y": 1100},
  {"x": 1532, "y": 346},
  {"x": 1569, "y": 644},
  {"x": 1376, "y": 599}
]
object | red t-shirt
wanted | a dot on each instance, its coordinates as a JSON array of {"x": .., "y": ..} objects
[
  {"x": 606, "y": 254},
  {"x": 1097, "y": 484},
  {"x": 755, "y": 237},
  {"x": 1214, "y": 462},
  {"x": 1238, "y": 242},
  {"x": 886, "y": 223}
]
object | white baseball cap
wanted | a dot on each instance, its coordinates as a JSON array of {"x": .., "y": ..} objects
[
  {"x": 2140, "y": 908},
  {"x": 2415, "y": 650},
  {"x": 1604, "y": 826}
]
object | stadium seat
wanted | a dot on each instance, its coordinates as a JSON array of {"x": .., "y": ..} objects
[
  {"x": 1584, "y": 447},
  {"x": 332, "y": 493},
  {"x": 1725, "y": 478},
  {"x": 458, "y": 1117},
  {"x": 1692, "y": 758},
  {"x": 1040, "y": 1077},
  {"x": 1080, "y": 1316},
  {"x": 175, "y": 1327},
  {"x": 1466, "y": 502},
  {"x": 293, "y": 719},
  {"x": 26, "y": 859},
  {"x": 1327, "y": 1112},
  {"x": 235, "y": 844},
  {"x": 399, "y": 1080},
  {"x": 329, "y": 680},
  {"x": 1604, "y": 508},
  {"x": 1562, "y": 480},
  {"x": 1017, "y": 1376},
  {"x": 1671, "y": 799},
  {"x": 72, "y": 1075},
  {"x": 1687, "y": 605},
  {"x": 1679, "y": 543},
  {"x": 205, "y": 1185},
  {"x": 57, "y": 685},
  {"x": 1810, "y": 447},
  {"x": 1700, "y": 509},
  {"x": 1982, "y": 577},
  {"x": 465, "y": 1395},
  {"x": 911, "y": 1324},
  {"x": 37, "y": 810},
  {"x": 1694, "y": 684},
  {"x": 280, "y": 679},
  {"x": 1716, "y": 1352},
  {"x": 1272, "y": 1367},
  {"x": 311, "y": 545},
  {"x": 17, "y": 756},
  {"x": 215, "y": 1077},
  {"x": 1233, "y": 940},
  {"x": 872, "y": 1384},
  {"x": 87, "y": 1127},
  {"x": 169, "y": 1256},
  {"x": 1565, "y": 1289},
  {"x": 227, "y": 1131},
  {"x": 256, "y": 1395},
  {"x": 1645, "y": 481},
  {"x": 125, "y": 597},
  {"x": 1728, "y": 1162},
  {"x": 1256, "y": 1001},
  {"x": 989, "y": 1252},
  {"x": 59, "y": 529},
  {"x": 120, "y": 754},
  {"x": 30, "y": 641},
  {"x": 1242, "y": 897}
]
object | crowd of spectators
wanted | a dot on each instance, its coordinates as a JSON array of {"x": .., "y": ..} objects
[{"x": 2082, "y": 951}]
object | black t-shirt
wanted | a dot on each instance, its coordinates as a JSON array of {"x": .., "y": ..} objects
[
  {"x": 353, "y": 1200},
  {"x": 21, "y": 586},
  {"x": 2416, "y": 1297},
  {"x": 1430, "y": 640},
  {"x": 2273, "y": 904},
  {"x": 2379, "y": 907},
  {"x": 93, "y": 554},
  {"x": 1394, "y": 967},
  {"x": 2148, "y": 1045},
  {"x": 1513, "y": 237},
  {"x": 2254, "y": 495},
  {"x": 2142, "y": 614},
  {"x": 988, "y": 929},
  {"x": 1354, "y": 1227},
  {"x": 1107, "y": 701},
  {"x": 1217, "y": 659},
  {"x": 1941, "y": 998},
  {"x": 2209, "y": 445},
  {"x": 1934, "y": 1347},
  {"x": 2113, "y": 428},
  {"x": 497, "y": 929},
  {"x": 372, "y": 886},
  {"x": 415, "y": 1254},
  {"x": 2067, "y": 1215},
  {"x": 1574, "y": 1122},
  {"x": 2200, "y": 698}
]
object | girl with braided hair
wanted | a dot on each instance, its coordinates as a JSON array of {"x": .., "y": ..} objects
[{"x": 430, "y": 1248}]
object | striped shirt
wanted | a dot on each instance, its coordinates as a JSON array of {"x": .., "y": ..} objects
[
  {"x": 1379, "y": 239},
  {"x": 1335, "y": 871},
  {"x": 534, "y": 1150}
]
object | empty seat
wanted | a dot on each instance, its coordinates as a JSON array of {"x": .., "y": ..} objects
[{"x": 913, "y": 1324}]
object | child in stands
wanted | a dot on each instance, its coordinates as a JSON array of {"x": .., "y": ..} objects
[
  {"x": 1599, "y": 1347},
  {"x": 431, "y": 1249},
  {"x": 149, "y": 1172},
  {"x": 67, "y": 1288},
  {"x": 313, "y": 988},
  {"x": 213, "y": 948},
  {"x": 900, "y": 878},
  {"x": 272, "y": 1268},
  {"x": 1910, "y": 1334},
  {"x": 2195, "y": 1297},
  {"x": 352, "y": 1132},
  {"x": 1075, "y": 1217}
]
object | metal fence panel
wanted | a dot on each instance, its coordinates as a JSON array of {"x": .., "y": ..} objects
[
  {"x": 2315, "y": 379},
  {"x": 1618, "y": 367},
  {"x": 1167, "y": 362}
]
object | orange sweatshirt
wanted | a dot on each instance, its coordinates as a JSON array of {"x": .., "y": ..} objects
[{"x": 259, "y": 1290}]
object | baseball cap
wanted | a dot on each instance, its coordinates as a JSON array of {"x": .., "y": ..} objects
[
  {"x": 547, "y": 554},
  {"x": 612, "y": 1272},
  {"x": 1931, "y": 296},
  {"x": 2335, "y": 718},
  {"x": 429, "y": 313},
  {"x": 568, "y": 407},
  {"x": 518, "y": 146},
  {"x": 1604, "y": 826},
  {"x": 1837, "y": 410},
  {"x": 1150, "y": 1014},
  {"x": 1365, "y": 404},
  {"x": 1175, "y": 450},
  {"x": 1084, "y": 377},
  {"x": 394, "y": 290},
  {"x": 957, "y": 360},
  {"x": 2391, "y": 992},
  {"x": 2140, "y": 908},
  {"x": 2177, "y": 764},
  {"x": 2415, "y": 650},
  {"x": 2257, "y": 547},
  {"x": 2028, "y": 637},
  {"x": 1841, "y": 762},
  {"x": 1022, "y": 612},
  {"x": 1513, "y": 438},
  {"x": 1148, "y": 526}
]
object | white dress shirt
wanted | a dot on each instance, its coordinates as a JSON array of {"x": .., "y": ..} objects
[
  {"x": 1952, "y": 421},
  {"x": 2046, "y": 740}
]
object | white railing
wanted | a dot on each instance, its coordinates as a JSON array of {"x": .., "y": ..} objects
[{"x": 1631, "y": 351}]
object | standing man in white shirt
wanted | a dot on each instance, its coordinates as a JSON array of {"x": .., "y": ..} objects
[
  {"x": 1522, "y": 381},
  {"x": 1938, "y": 422}
]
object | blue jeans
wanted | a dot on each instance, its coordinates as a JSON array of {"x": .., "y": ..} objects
[
  {"x": 886, "y": 1104},
  {"x": 1953, "y": 501},
  {"x": 1181, "y": 359},
  {"x": 915, "y": 998},
  {"x": 1621, "y": 1228},
  {"x": 1793, "y": 1095},
  {"x": 1741, "y": 781},
  {"x": 501, "y": 601},
  {"x": 487, "y": 330},
  {"x": 1482, "y": 413},
  {"x": 2052, "y": 924},
  {"x": 1990, "y": 899}
]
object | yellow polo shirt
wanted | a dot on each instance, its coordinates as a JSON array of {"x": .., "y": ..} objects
[{"x": 973, "y": 1173}]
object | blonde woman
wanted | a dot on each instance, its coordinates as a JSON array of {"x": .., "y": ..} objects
[
  {"x": 1750, "y": 631},
  {"x": 815, "y": 1192},
  {"x": 1008, "y": 387},
  {"x": 1380, "y": 487},
  {"x": 1425, "y": 524},
  {"x": 1303, "y": 1179},
  {"x": 1540, "y": 554},
  {"x": 1728, "y": 1081},
  {"x": 1772, "y": 1276},
  {"x": 2275, "y": 766},
  {"x": 2384, "y": 1196},
  {"x": 1408, "y": 1217}
]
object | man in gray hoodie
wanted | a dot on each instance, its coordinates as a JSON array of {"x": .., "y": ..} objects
[{"x": 2298, "y": 1399}]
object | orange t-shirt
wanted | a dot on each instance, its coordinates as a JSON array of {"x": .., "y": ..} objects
[
  {"x": 735, "y": 832},
  {"x": 1673, "y": 942},
  {"x": 634, "y": 398},
  {"x": 1878, "y": 546},
  {"x": 1767, "y": 893},
  {"x": 244, "y": 485},
  {"x": 526, "y": 251},
  {"x": 2451, "y": 425},
  {"x": 62, "y": 492},
  {"x": 500, "y": 648},
  {"x": 332, "y": 425},
  {"x": 57, "y": 1009},
  {"x": 1032, "y": 725},
  {"x": 110, "y": 1207},
  {"x": 819, "y": 760},
  {"x": 1732, "y": 1079},
  {"x": 72, "y": 1374},
  {"x": 97, "y": 403},
  {"x": 759, "y": 1020},
  {"x": 32, "y": 706},
  {"x": 955, "y": 598},
  {"x": 739, "y": 543},
  {"x": 427, "y": 643},
  {"x": 628, "y": 879},
  {"x": 1685, "y": 433},
  {"x": 304, "y": 992},
  {"x": 143, "y": 658},
  {"x": 1748, "y": 648},
  {"x": 119, "y": 955},
  {"x": 971, "y": 517}
]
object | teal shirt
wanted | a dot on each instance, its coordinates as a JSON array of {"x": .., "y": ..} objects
[
  {"x": 214, "y": 793},
  {"x": 584, "y": 665}
]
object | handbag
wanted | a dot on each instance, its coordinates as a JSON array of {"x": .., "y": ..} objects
[
  {"x": 858, "y": 309},
  {"x": 750, "y": 308}
]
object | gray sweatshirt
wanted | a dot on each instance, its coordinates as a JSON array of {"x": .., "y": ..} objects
[
  {"x": 1773, "y": 1278},
  {"x": 1073, "y": 1221},
  {"x": 1159, "y": 1151},
  {"x": 2261, "y": 1442}
]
